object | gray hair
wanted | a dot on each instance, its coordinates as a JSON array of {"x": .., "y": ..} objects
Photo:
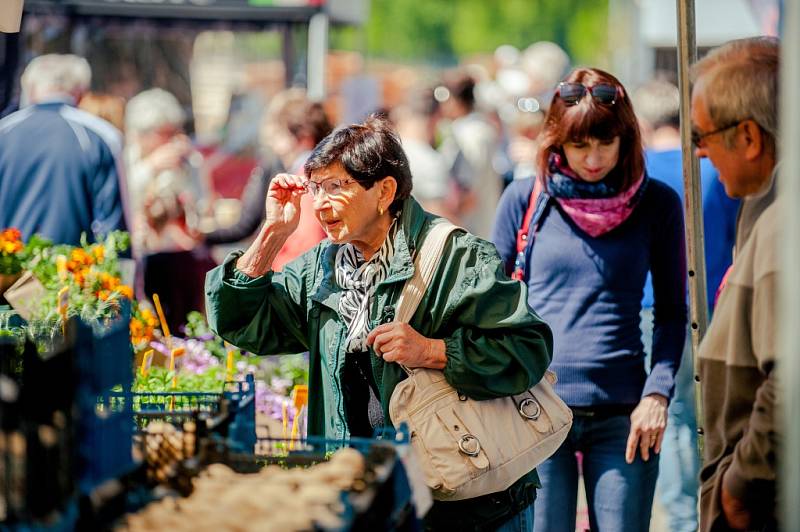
[
  {"x": 546, "y": 63},
  {"x": 152, "y": 109},
  {"x": 53, "y": 75},
  {"x": 740, "y": 81},
  {"x": 657, "y": 102}
]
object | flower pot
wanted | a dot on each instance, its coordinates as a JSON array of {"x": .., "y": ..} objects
[{"x": 6, "y": 280}]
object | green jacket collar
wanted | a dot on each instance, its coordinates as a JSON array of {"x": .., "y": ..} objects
[{"x": 412, "y": 221}]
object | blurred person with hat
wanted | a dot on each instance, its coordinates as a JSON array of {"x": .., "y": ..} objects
[
  {"x": 167, "y": 198},
  {"x": 415, "y": 126},
  {"x": 469, "y": 148}
]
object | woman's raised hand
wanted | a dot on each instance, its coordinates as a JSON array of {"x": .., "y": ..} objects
[{"x": 283, "y": 202}]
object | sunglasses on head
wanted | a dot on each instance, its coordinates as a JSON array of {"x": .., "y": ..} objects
[{"x": 603, "y": 93}]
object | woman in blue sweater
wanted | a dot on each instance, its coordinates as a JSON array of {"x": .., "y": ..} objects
[{"x": 599, "y": 224}]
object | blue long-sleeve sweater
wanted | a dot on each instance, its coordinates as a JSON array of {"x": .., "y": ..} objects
[
  {"x": 719, "y": 216},
  {"x": 589, "y": 290}
]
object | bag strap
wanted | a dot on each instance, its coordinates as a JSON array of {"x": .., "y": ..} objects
[
  {"x": 523, "y": 233},
  {"x": 427, "y": 259}
]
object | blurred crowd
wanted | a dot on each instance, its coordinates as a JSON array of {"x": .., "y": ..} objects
[{"x": 468, "y": 131}]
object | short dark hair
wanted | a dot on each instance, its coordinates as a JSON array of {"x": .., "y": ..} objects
[
  {"x": 306, "y": 119},
  {"x": 592, "y": 119},
  {"x": 368, "y": 152},
  {"x": 461, "y": 86}
]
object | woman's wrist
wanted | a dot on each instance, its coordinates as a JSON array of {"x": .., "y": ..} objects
[
  {"x": 258, "y": 258},
  {"x": 435, "y": 355},
  {"x": 659, "y": 398}
]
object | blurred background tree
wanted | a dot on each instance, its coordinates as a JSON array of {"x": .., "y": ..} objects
[{"x": 444, "y": 31}]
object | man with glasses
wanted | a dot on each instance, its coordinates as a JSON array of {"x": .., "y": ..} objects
[{"x": 734, "y": 118}]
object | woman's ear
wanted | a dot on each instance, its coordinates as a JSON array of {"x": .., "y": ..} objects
[{"x": 388, "y": 190}]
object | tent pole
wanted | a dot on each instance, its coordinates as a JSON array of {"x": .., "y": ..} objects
[
  {"x": 698, "y": 306},
  {"x": 788, "y": 361}
]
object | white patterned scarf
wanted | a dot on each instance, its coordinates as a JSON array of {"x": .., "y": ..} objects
[{"x": 358, "y": 279}]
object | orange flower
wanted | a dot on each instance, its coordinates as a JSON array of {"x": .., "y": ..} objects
[
  {"x": 10, "y": 241},
  {"x": 141, "y": 329},
  {"x": 81, "y": 275},
  {"x": 78, "y": 258},
  {"x": 12, "y": 234},
  {"x": 137, "y": 329},
  {"x": 103, "y": 295},
  {"x": 125, "y": 291},
  {"x": 108, "y": 281}
]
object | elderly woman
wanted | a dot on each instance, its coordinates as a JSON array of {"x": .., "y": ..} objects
[{"x": 338, "y": 302}]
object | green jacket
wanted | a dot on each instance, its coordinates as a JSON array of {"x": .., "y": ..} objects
[{"x": 495, "y": 345}]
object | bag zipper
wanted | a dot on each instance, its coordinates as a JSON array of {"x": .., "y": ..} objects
[{"x": 438, "y": 395}]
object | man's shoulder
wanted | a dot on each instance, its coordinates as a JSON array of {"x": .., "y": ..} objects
[
  {"x": 110, "y": 135},
  {"x": 8, "y": 123},
  {"x": 768, "y": 226},
  {"x": 760, "y": 254}
]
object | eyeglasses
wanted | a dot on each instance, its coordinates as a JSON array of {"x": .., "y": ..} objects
[
  {"x": 603, "y": 93},
  {"x": 329, "y": 187},
  {"x": 697, "y": 137}
]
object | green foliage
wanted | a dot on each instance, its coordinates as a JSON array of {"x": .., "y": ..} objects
[
  {"x": 293, "y": 368},
  {"x": 448, "y": 30},
  {"x": 159, "y": 379},
  {"x": 197, "y": 327},
  {"x": 89, "y": 271},
  {"x": 13, "y": 336}
]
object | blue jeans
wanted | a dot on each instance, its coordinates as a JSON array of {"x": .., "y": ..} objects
[
  {"x": 522, "y": 522},
  {"x": 619, "y": 495},
  {"x": 680, "y": 463}
]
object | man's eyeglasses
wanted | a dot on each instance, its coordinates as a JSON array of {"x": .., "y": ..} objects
[
  {"x": 329, "y": 187},
  {"x": 698, "y": 138},
  {"x": 603, "y": 93}
]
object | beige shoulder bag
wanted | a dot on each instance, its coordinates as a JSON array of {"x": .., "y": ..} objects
[{"x": 468, "y": 448}]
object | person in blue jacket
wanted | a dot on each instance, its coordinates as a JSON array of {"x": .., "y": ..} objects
[
  {"x": 59, "y": 166},
  {"x": 599, "y": 226}
]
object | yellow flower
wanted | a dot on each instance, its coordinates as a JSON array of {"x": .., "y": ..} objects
[
  {"x": 99, "y": 252},
  {"x": 149, "y": 318}
]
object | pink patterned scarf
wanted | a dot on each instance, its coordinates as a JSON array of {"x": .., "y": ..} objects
[{"x": 595, "y": 215}]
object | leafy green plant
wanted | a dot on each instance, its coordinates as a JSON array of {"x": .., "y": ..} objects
[{"x": 90, "y": 272}]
